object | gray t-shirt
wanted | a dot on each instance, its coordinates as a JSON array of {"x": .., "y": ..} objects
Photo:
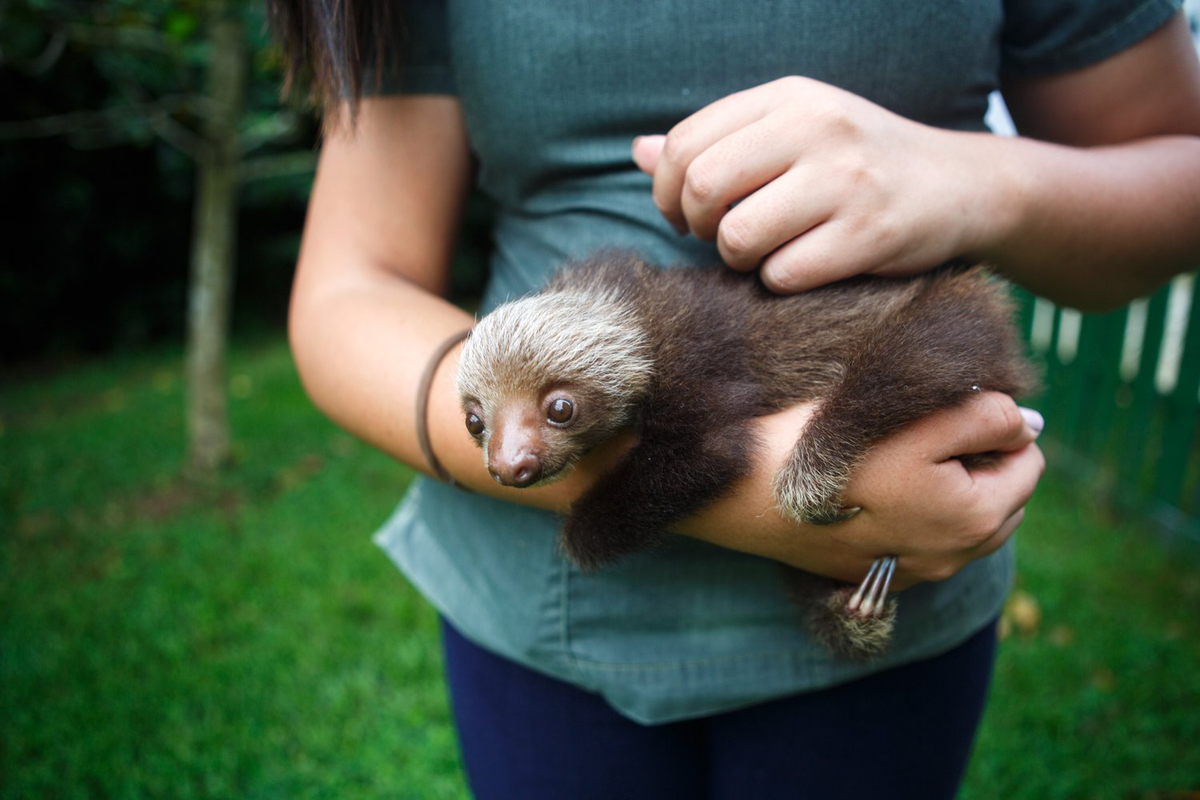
[{"x": 553, "y": 92}]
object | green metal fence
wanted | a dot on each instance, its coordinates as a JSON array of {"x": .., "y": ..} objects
[{"x": 1121, "y": 402}]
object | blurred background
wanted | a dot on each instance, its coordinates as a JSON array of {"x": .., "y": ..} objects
[{"x": 190, "y": 602}]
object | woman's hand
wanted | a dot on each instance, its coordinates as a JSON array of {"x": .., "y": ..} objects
[
  {"x": 922, "y": 504},
  {"x": 813, "y": 184},
  {"x": 919, "y": 502}
]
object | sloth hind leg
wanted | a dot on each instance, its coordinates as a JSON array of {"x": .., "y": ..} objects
[{"x": 823, "y": 608}]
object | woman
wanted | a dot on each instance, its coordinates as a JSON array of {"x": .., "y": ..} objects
[{"x": 682, "y": 673}]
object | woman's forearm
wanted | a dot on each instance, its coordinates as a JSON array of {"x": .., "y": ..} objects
[
  {"x": 1115, "y": 210},
  {"x": 1089, "y": 227},
  {"x": 361, "y": 349}
]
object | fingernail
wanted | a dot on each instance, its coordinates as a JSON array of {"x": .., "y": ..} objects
[{"x": 1033, "y": 419}]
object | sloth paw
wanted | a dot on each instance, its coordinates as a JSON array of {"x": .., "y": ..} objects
[
  {"x": 852, "y": 622},
  {"x": 853, "y": 635},
  {"x": 810, "y": 496}
]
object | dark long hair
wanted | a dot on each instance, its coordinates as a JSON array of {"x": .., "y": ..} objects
[{"x": 333, "y": 49}]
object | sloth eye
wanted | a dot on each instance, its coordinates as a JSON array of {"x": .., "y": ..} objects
[
  {"x": 561, "y": 411},
  {"x": 474, "y": 425}
]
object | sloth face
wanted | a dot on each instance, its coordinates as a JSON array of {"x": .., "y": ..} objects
[
  {"x": 534, "y": 439},
  {"x": 545, "y": 379}
]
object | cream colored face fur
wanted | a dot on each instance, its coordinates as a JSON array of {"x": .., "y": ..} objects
[{"x": 522, "y": 358}]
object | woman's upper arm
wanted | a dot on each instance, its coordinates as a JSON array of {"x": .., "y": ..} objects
[
  {"x": 1150, "y": 89},
  {"x": 388, "y": 194},
  {"x": 366, "y": 314}
]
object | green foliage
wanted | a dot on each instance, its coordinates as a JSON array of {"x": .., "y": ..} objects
[
  {"x": 243, "y": 638},
  {"x": 101, "y": 124},
  {"x": 180, "y": 24}
]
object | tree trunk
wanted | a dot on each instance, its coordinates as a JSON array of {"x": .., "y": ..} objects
[{"x": 213, "y": 238}]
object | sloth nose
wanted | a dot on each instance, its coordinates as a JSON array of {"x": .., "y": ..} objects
[{"x": 520, "y": 471}]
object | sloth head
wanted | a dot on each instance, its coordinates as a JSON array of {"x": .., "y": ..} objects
[{"x": 546, "y": 378}]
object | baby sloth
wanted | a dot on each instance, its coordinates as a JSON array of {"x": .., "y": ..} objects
[{"x": 690, "y": 357}]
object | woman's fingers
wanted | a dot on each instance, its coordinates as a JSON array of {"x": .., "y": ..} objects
[
  {"x": 830, "y": 251},
  {"x": 749, "y": 210},
  {"x": 791, "y": 205},
  {"x": 692, "y": 137},
  {"x": 646, "y": 151},
  {"x": 921, "y": 568},
  {"x": 734, "y": 168},
  {"x": 923, "y": 504},
  {"x": 987, "y": 422}
]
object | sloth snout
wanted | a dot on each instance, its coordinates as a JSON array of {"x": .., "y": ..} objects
[
  {"x": 515, "y": 449},
  {"x": 520, "y": 471}
]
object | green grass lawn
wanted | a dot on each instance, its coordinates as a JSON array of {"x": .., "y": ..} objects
[{"x": 243, "y": 638}]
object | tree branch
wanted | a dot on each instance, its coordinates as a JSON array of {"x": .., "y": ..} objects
[
  {"x": 180, "y": 137},
  {"x": 191, "y": 144},
  {"x": 108, "y": 121},
  {"x": 278, "y": 166},
  {"x": 50, "y": 55},
  {"x": 61, "y": 124},
  {"x": 276, "y": 127},
  {"x": 123, "y": 37}
]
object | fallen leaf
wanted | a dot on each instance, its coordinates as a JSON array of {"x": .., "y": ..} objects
[
  {"x": 1104, "y": 679},
  {"x": 1061, "y": 635},
  {"x": 1024, "y": 612}
]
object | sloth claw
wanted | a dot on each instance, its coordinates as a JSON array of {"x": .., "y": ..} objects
[
  {"x": 870, "y": 599},
  {"x": 829, "y": 516}
]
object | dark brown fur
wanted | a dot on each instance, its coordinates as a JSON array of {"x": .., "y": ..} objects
[{"x": 875, "y": 353}]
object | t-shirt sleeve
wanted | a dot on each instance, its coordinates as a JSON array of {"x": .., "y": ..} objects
[
  {"x": 418, "y": 55},
  {"x": 1042, "y": 37}
]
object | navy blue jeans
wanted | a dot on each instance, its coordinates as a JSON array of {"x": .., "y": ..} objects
[{"x": 903, "y": 733}]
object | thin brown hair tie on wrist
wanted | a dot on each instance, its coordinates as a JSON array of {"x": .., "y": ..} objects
[{"x": 423, "y": 390}]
